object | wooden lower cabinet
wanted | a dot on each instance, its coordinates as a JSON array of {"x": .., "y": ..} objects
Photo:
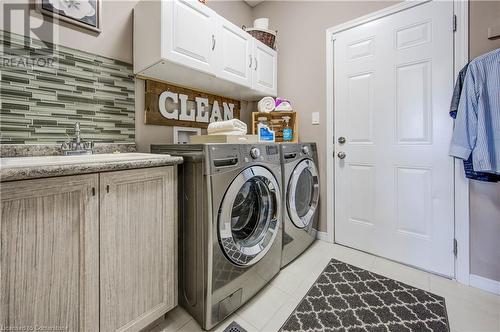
[
  {"x": 89, "y": 252},
  {"x": 138, "y": 223},
  {"x": 49, "y": 259}
]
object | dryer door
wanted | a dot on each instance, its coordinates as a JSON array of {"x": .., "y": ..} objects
[
  {"x": 249, "y": 216},
  {"x": 303, "y": 193}
]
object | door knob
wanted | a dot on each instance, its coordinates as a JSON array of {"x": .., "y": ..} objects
[
  {"x": 341, "y": 140},
  {"x": 341, "y": 155}
]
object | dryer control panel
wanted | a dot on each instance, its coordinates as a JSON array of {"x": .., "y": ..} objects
[{"x": 296, "y": 151}]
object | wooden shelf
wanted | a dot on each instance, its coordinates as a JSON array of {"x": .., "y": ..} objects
[{"x": 275, "y": 122}]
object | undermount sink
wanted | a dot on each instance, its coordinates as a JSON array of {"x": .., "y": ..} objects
[{"x": 79, "y": 159}]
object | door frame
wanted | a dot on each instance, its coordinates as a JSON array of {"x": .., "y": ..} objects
[{"x": 461, "y": 184}]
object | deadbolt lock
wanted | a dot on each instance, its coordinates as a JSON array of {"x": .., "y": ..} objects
[{"x": 341, "y": 140}]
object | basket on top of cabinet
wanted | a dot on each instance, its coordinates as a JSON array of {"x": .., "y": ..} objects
[{"x": 276, "y": 122}]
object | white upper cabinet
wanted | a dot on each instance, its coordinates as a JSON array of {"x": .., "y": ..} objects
[
  {"x": 189, "y": 32},
  {"x": 186, "y": 43},
  {"x": 234, "y": 54},
  {"x": 265, "y": 68}
]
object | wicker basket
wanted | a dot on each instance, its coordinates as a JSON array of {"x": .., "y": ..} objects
[{"x": 268, "y": 37}]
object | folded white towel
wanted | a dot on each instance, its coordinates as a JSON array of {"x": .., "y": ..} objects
[
  {"x": 229, "y": 127},
  {"x": 266, "y": 105},
  {"x": 229, "y": 133}
]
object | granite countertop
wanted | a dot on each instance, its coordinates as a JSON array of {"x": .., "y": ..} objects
[{"x": 21, "y": 168}]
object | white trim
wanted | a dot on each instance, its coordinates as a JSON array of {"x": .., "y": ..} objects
[
  {"x": 462, "y": 269},
  {"x": 323, "y": 236},
  {"x": 461, "y": 49},
  {"x": 486, "y": 284},
  {"x": 330, "y": 146}
]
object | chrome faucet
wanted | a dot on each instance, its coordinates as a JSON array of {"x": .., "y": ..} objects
[
  {"x": 76, "y": 146},
  {"x": 77, "y": 133}
]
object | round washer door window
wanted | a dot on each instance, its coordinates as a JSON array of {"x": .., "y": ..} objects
[
  {"x": 303, "y": 193},
  {"x": 249, "y": 216}
]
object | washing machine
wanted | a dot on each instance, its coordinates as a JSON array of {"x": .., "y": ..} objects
[
  {"x": 230, "y": 225},
  {"x": 300, "y": 198}
]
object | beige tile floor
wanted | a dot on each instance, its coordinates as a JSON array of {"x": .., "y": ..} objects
[{"x": 469, "y": 309}]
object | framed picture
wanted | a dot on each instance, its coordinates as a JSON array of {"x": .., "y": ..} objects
[
  {"x": 182, "y": 134},
  {"x": 82, "y": 13}
]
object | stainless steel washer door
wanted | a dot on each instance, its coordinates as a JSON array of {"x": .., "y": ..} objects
[
  {"x": 249, "y": 216},
  {"x": 303, "y": 193}
]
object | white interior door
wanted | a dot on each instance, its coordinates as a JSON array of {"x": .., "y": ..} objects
[{"x": 394, "y": 188}]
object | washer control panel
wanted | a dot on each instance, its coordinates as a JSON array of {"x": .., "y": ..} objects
[{"x": 260, "y": 153}]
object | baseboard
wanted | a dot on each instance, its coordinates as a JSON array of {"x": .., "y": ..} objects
[
  {"x": 486, "y": 284},
  {"x": 323, "y": 236}
]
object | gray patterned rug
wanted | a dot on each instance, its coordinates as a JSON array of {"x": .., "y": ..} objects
[{"x": 348, "y": 298}]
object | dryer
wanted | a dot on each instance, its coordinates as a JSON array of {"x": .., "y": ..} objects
[
  {"x": 230, "y": 225},
  {"x": 300, "y": 198}
]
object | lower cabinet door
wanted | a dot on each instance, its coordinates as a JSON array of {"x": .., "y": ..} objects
[
  {"x": 49, "y": 262},
  {"x": 138, "y": 247}
]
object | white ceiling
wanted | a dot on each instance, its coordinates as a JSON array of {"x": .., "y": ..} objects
[{"x": 253, "y": 3}]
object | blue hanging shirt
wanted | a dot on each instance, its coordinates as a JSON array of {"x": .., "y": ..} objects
[
  {"x": 477, "y": 127},
  {"x": 455, "y": 101}
]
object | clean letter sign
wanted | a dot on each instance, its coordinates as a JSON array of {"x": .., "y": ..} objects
[{"x": 170, "y": 105}]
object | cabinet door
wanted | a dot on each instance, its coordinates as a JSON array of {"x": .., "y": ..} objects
[
  {"x": 189, "y": 34},
  {"x": 49, "y": 254},
  {"x": 265, "y": 68},
  {"x": 234, "y": 56},
  {"x": 138, "y": 249}
]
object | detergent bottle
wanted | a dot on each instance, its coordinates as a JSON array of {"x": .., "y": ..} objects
[
  {"x": 264, "y": 132},
  {"x": 287, "y": 131}
]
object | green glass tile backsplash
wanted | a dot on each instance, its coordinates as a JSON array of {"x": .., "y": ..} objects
[{"x": 40, "y": 104}]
